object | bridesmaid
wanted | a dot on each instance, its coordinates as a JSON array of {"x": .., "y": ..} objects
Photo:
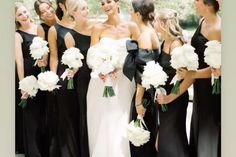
[
  {"x": 63, "y": 142},
  {"x": 33, "y": 113},
  {"x": 142, "y": 13},
  {"x": 47, "y": 15},
  {"x": 172, "y": 138},
  {"x": 79, "y": 37},
  {"x": 206, "y": 118}
]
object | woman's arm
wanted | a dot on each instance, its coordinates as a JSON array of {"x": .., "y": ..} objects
[
  {"x": 19, "y": 56},
  {"x": 52, "y": 38}
]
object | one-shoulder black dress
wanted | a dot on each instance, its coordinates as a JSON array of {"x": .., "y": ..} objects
[
  {"x": 34, "y": 112},
  {"x": 82, "y": 80},
  {"x": 205, "y": 124}
]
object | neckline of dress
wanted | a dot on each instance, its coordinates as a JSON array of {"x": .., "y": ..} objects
[{"x": 128, "y": 38}]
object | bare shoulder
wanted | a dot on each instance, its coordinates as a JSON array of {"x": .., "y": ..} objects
[
  {"x": 18, "y": 37},
  {"x": 215, "y": 33},
  {"x": 175, "y": 43}
]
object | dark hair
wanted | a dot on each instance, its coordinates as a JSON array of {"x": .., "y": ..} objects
[
  {"x": 213, "y": 3},
  {"x": 59, "y": 12},
  {"x": 37, "y": 4},
  {"x": 145, "y": 8}
]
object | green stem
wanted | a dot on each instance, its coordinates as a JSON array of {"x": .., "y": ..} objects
[
  {"x": 43, "y": 69},
  {"x": 175, "y": 89},
  {"x": 23, "y": 103},
  {"x": 70, "y": 83}
]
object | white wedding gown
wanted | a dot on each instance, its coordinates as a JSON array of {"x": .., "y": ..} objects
[{"x": 108, "y": 117}]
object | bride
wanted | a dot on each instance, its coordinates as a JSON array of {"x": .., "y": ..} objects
[{"x": 108, "y": 116}]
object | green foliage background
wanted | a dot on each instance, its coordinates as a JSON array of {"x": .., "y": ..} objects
[{"x": 185, "y": 9}]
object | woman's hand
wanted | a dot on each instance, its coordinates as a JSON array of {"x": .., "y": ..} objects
[
  {"x": 182, "y": 72},
  {"x": 164, "y": 99},
  {"x": 140, "y": 110},
  {"x": 71, "y": 73},
  {"x": 216, "y": 72},
  {"x": 24, "y": 95},
  {"x": 113, "y": 75}
]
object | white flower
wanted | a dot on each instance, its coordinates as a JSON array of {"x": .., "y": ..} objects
[
  {"x": 29, "y": 84},
  {"x": 38, "y": 48},
  {"x": 48, "y": 81},
  {"x": 213, "y": 54},
  {"x": 101, "y": 58},
  {"x": 136, "y": 134},
  {"x": 184, "y": 57},
  {"x": 72, "y": 57},
  {"x": 154, "y": 75}
]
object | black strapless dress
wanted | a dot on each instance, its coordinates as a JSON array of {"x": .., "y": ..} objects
[{"x": 206, "y": 117}]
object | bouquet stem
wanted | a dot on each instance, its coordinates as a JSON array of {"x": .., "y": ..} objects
[
  {"x": 43, "y": 69},
  {"x": 70, "y": 84},
  {"x": 108, "y": 91},
  {"x": 216, "y": 86},
  {"x": 164, "y": 107},
  {"x": 23, "y": 103},
  {"x": 175, "y": 89}
]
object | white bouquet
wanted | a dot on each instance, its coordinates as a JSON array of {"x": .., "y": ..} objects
[
  {"x": 47, "y": 81},
  {"x": 182, "y": 57},
  {"x": 154, "y": 76},
  {"x": 38, "y": 49},
  {"x": 103, "y": 59},
  {"x": 28, "y": 84},
  {"x": 136, "y": 133},
  {"x": 213, "y": 59},
  {"x": 72, "y": 58}
]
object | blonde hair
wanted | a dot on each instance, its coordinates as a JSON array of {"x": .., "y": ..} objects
[
  {"x": 17, "y": 6},
  {"x": 170, "y": 19}
]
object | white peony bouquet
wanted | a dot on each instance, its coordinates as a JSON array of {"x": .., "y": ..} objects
[
  {"x": 47, "y": 81},
  {"x": 72, "y": 58},
  {"x": 28, "y": 84},
  {"x": 154, "y": 76},
  {"x": 182, "y": 57},
  {"x": 136, "y": 133},
  {"x": 103, "y": 59},
  {"x": 38, "y": 49},
  {"x": 213, "y": 59}
]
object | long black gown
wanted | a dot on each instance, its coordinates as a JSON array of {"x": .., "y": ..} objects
[
  {"x": 51, "y": 102},
  {"x": 205, "y": 124},
  {"x": 34, "y": 112},
  {"x": 63, "y": 142},
  {"x": 82, "y": 80},
  {"x": 139, "y": 57},
  {"x": 172, "y": 140}
]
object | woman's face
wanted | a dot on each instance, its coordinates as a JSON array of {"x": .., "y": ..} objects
[
  {"x": 109, "y": 6},
  {"x": 157, "y": 24},
  {"x": 47, "y": 12},
  {"x": 199, "y": 7},
  {"x": 82, "y": 10},
  {"x": 133, "y": 14},
  {"x": 22, "y": 15}
]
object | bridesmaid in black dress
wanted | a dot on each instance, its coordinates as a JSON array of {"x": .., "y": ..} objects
[
  {"x": 140, "y": 52},
  {"x": 47, "y": 15},
  {"x": 79, "y": 37},
  {"x": 172, "y": 137},
  {"x": 63, "y": 143},
  {"x": 33, "y": 113},
  {"x": 206, "y": 119},
  {"x": 205, "y": 123}
]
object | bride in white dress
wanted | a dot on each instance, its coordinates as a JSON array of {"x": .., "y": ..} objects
[{"x": 108, "y": 117}]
